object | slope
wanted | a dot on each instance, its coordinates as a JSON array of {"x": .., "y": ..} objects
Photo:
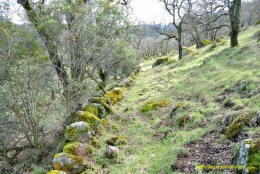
[{"x": 206, "y": 91}]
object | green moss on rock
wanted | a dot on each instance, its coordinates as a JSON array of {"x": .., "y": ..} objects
[
  {"x": 96, "y": 109},
  {"x": 89, "y": 118},
  {"x": 115, "y": 95},
  {"x": 70, "y": 163},
  {"x": 78, "y": 149},
  {"x": 79, "y": 131},
  {"x": 103, "y": 101},
  {"x": 117, "y": 140},
  {"x": 235, "y": 128},
  {"x": 154, "y": 105}
]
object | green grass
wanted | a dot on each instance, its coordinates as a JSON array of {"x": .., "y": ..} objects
[{"x": 197, "y": 81}]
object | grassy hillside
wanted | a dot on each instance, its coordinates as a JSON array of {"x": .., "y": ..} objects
[{"x": 208, "y": 88}]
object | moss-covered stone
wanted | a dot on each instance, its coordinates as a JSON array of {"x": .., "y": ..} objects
[
  {"x": 56, "y": 172},
  {"x": 154, "y": 105},
  {"x": 89, "y": 118},
  {"x": 117, "y": 140},
  {"x": 103, "y": 101},
  {"x": 237, "y": 125},
  {"x": 70, "y": 163},
  {"x": 163, "y": 60},
  {"x": 115, "y": 95},
  {"x": 79, "y": 131},
  {"x": 91, "y": 108},
  {"x": 78, "y": 149},
  {"x": 96, "y": 109}
]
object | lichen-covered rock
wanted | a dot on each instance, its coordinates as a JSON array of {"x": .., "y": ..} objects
[
  {"x": 115, "y": 95},
  {"x": 243, "y": 155},
  {"x": 78, "y": 149},
  {"x": 154, "y": 105},
  {"x": 79, "y": 131},
  {"x": 117, "y": 140},
  {"x": 96, "y": 109},
  {"x": 111, "y": 152},
  {"x": 89, "y": 118},
  {"x": 70, "y": 163},
  {"x": 56, "y": 172}
]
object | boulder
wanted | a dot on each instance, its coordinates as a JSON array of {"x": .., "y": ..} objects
[
  {"x": 70, "y": 163},
  {"x": 111, "y": 152},
  {"x": 79, "y": 131},
  {"x": 78, "y": 149}
]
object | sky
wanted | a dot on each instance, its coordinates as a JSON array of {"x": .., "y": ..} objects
[
  {"x": 143, "y": 11},
  {"x": 149, "y": 11}
]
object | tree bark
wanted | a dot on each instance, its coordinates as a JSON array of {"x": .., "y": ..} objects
[
  {"x": 234, "y": 12},
  {"x": 180, "y": 40}
]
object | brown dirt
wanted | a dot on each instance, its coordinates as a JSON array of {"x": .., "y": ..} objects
[{"x": 208, "y": 151}]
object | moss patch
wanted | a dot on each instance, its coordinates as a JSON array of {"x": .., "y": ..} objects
[
  {"x": 206, "y": 42},
  {"x": 154, "y": 105}
]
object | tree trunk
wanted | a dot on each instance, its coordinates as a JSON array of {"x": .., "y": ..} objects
[
  {"x": 180, "y": 41},
  {"x": 234, "y": 12}
]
